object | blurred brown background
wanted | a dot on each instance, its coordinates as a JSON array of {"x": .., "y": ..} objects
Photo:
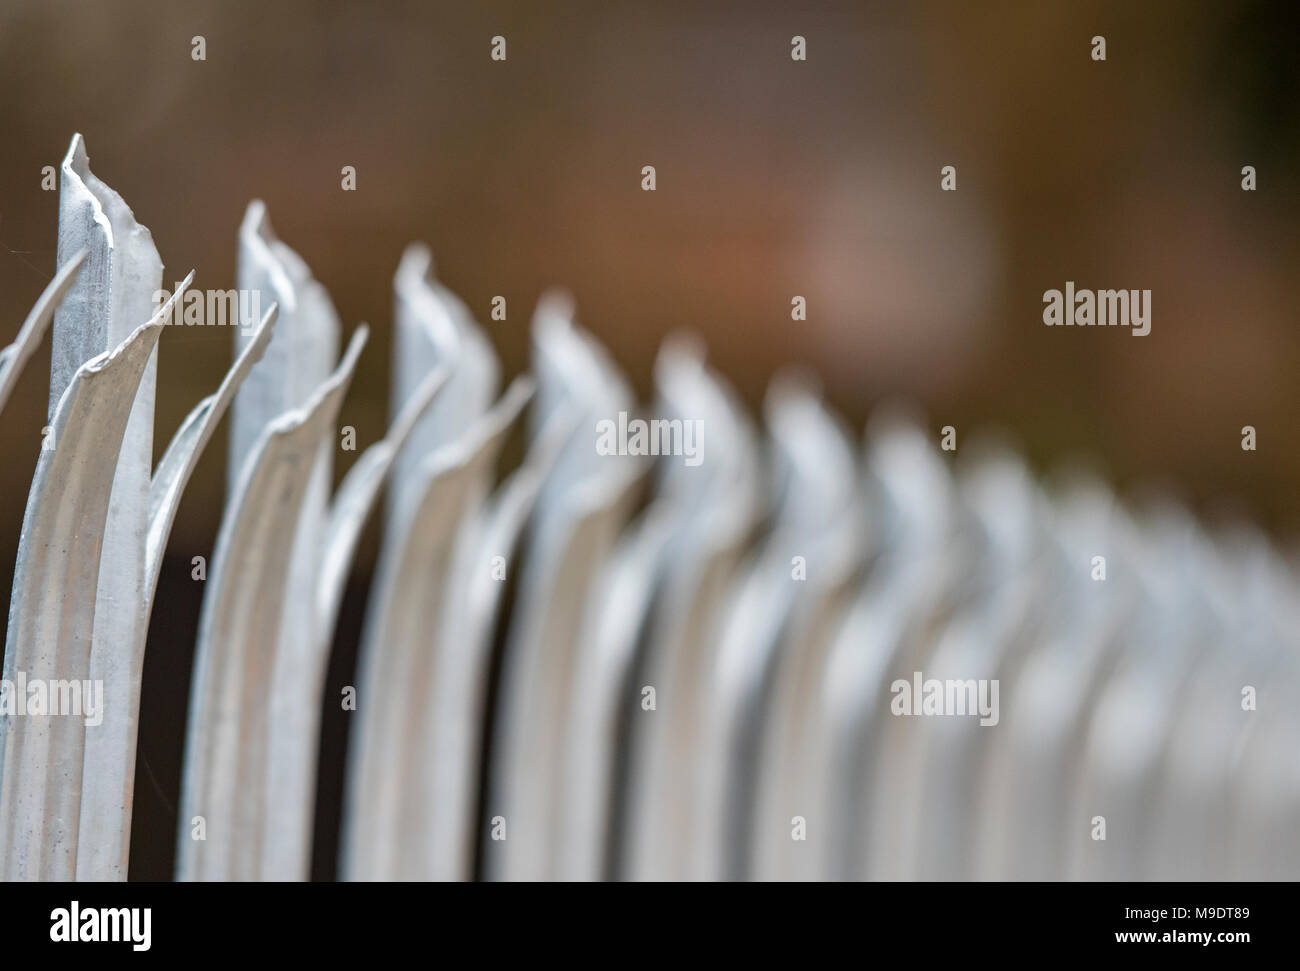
[{"x": 775, "y": 178}]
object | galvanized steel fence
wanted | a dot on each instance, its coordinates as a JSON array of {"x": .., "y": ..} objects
[{"x": 670, "y": 644}]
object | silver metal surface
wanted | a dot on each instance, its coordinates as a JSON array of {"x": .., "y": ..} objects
[
  {"x": 291, "y": 789},
  {"x": 16, "y": 355},
  {"x": 229, "y": 737},
  {"x": 426, "y": 640},
  {"x": 623, "y": 664},
  {"x": 300, "y": 357},
  {"x": 657, "y": 611},
  {"x": 441, "y": 464},
  {"x": 53, "y": 605},
  {"x": 113, "y": 295}
]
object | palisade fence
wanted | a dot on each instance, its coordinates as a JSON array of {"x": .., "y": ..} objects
[{"x": 776, "y": 655}]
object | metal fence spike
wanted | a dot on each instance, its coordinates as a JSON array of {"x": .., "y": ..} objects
[
  {"x": 114, "y": 292},
  {"x": 658, "y": 629},
  {"x": 417, "y": 633},
  {"x": 53, "y": 606},
  {"x": 15, "y": 355},
  {"x": 186, "y": 447},
  {"x": 815, "y": 522},
  {"x": 911, "y": 507},
  {"x": 413, "y": 620},
  {"x": 239, "y": 636},
  {"x": 432, "y": 330},
  {"x": 461, "y": 682},
  {"x": 291, "y": 788},
  {"x": 104, "y": 833},
  {"x": 356, "y": 497},
  {"x": 301, "y": 355},
  {"x": 583, "y": 504}
]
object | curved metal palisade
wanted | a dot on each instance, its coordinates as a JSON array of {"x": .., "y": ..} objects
[
  {"x": 239, "y": 633},
  {"x": 291, "y": 788},
  {"x": 109, "y": 776},
  {"x": 433, "y": 331},
  {"x": 52, "y": 610}
]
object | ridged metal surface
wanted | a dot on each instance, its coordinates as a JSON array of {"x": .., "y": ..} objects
[{"x": 624, "y": 665}]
